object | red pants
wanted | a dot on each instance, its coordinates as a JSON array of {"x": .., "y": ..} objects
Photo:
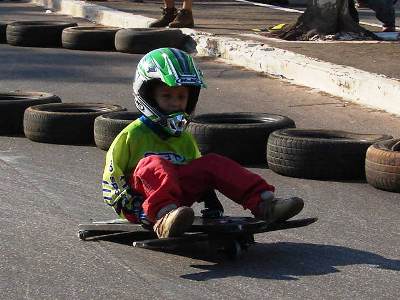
[{"x": 163, "y": 183}]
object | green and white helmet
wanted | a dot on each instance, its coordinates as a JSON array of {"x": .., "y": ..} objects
[{"x": 173, "y": 67}]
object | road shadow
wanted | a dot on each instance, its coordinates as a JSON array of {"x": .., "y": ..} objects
[
  {"x": 276, "y": 261},
  {"x": 289, "y": 261}
]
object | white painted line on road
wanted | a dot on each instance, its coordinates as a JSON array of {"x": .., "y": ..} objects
[
  {"x": 272, "y": 6},
  {"x": 375, "y": 25}
]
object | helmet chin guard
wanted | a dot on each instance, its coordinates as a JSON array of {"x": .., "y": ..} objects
[
  {"x": 177, "y": 123},
  {"x": 174, "y": 123}
]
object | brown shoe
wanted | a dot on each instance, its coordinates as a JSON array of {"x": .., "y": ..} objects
[
  {"x": 174, "y": 223},
  {"x": 273, "y": 209},
  {"x": 361, "y": 4},
  {"x": 184, "y": 19},
  {"x": 168, "y": 15},
  {"x": 388, "y": 29}
]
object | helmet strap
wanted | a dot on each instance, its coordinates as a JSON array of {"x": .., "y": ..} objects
[{"x": 156, "y": 128}]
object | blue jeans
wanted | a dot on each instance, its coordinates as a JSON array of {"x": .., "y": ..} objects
[{"x": 384, "y": 11}]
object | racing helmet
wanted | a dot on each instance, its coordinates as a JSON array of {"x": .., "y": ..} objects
[{"x": 173, "y": 67}]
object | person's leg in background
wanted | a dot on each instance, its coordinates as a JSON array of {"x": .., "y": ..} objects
[
  {"x": 168, "y": 14},
  {"x": 384, "y": 12},
  {"x": 184, "y": 18},
  {"x": 173, "y": 18},
  {"x": 353, "y": 11}
]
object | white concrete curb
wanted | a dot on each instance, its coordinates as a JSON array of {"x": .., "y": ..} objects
[{"x": 370, "y": 89}]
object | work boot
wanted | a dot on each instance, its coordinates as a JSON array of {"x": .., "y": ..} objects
[
  {"x": 174, "y": 223},
  {"x": 168, "y": 15},
  {"x": 388, "y": 29},
  {"x": 273, "y": 209},
  {"x": 361, "y": 4},
  {"x": 184, "y": 19}
]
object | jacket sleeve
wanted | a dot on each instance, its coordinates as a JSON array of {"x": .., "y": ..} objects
[{"x": 116, "y": 191}]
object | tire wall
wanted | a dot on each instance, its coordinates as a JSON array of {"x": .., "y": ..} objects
[
  {"x": 107, "y": 127},
  {"x": 89, "y": 38},
  {"x": 52, "y": 124},
  {"x": 3, "y": 38},
  {"x": 143, "y": 40},
  {"x": 35, "y": 36},
  {"x": 317, "y": 158},
  {"x": 12, "y": 113},
  {"x": 245, "y": 143}
]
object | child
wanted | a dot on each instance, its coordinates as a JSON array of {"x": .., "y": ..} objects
[
  {"x": 173, "y": 18},
  {"x": 155, "y": 158}
]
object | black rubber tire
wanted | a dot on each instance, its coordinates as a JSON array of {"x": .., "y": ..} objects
[
  {"x": 64, "y": 123},
  {"x": 239, "y": 136},
  {"x": 108, "y": 126},
  {"x": 36, "y": 33},
  {"x": 382, "y": 165},
  {"x": 319, "y": 154},
  {"x": 13, "y": 105},
  {"x": 83, "y": 234},
  {"x": 3, "y": 38},
  {"x": 143, "y": 40},
  {"x": 89, "y": 38}
]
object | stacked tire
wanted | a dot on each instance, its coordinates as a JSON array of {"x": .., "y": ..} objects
[
  {"x": 92, "y": 38},
  {"x": 64, "y": 123},
  {"x": 382, "y": 165},
  {"x": 36, "y": 33},
  {"x": 13, "y": 106},
  {"x": 320, "y": 154},
  {"x": 108, "y": 126},
  {"x": 143, "y": 40},
  {"x": 89, "y": 38},
  {"x": 3, "y": 37},
  {"x": 239, "y": 136}
]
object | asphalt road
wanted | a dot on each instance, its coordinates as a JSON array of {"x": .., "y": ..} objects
[{"x": 46, "y": 190}]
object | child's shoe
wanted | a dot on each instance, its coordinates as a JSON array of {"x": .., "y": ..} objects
[
  {"x": 168, "y": 15},
  {"x": 273, "y": 209},
  {"x": 184, "y": 19},
  {"x": 174, "y": 223}
]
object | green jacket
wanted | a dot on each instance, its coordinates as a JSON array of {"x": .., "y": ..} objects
[{"x": 132, "y": 144}]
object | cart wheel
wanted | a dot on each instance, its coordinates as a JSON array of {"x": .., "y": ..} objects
[
  {"x": 247, "y": 241},
  {"x": 234, "y": 250},
  {"x": 83, "y": 234}
]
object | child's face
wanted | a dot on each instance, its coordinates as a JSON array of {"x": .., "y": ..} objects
[{"x": 171, "y": 99}]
